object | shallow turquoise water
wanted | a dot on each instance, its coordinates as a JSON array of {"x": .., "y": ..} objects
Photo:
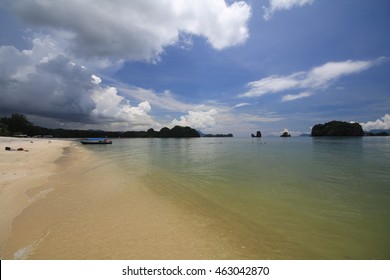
[{"x": 295, "y": 198}]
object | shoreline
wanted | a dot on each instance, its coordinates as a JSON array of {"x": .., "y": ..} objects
[
  {"x": 24, "y": 175},
  {"x": 101, "y": 203},
  {"x": 84, "y": 207}
]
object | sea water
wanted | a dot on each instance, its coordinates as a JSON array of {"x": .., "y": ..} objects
[{"x": 283, "y": 198}]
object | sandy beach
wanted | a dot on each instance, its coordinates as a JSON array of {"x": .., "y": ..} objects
[
  {"x": 59, "y": 202},
  {"x": 23, "y": 176}
]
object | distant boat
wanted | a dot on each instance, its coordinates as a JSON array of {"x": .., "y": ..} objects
[{"x": 96, "y": 141}]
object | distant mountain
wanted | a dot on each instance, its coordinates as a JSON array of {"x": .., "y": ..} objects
[
  {"x": 201, "y": 133},
  {"x": 213, "y": 135},
  {"x": 379, "y": 131},
  {"x": 218, "y": 135}
]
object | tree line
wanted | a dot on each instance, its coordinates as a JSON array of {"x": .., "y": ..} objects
[{"x": 19, "y": 125}]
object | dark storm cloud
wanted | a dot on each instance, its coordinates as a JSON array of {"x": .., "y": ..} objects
[
  {"x": 53, "y": 87},
  {"x": 45, "y": 82}
]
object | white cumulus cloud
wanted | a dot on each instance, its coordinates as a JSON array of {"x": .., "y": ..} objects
[
  {"x": 382, "y": 123},
  {"x": 96, "y": 80},
  {"x": 164, "y": 100},
  {"x": 197, "y": 119},
  {"x": 277, "y": 5},
  {"x": 136, "y": 30},
  {"x": 316, "y": 78},
  {"x": 111, "y": 107}
]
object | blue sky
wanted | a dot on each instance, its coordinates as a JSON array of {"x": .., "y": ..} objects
[{"x": 218, "y": 66}]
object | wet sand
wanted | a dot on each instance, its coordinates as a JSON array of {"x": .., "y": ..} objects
[
  {"x": 66, "y": 204},
  {"x": 22, "y": 175}
]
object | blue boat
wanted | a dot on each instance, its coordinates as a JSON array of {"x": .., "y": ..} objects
[{"x": 96, "y": 141}]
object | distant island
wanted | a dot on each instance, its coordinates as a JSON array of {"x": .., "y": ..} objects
[
  {"x": 377, "y": 133},
  {"x": 175, "y": 132},
  {"x": 218, "y": 135},
  {"x": 337, "y": 128},
  {"x": 285, "y": 133},
  {"x": 18, "y": 125},
  {"x": 258, "y": 134}
]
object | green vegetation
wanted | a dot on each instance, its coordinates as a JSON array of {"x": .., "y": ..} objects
[
  {"x": 15, "y": 125},
  {"x": 18, "y": 124},
  {"x": 176, "y": 132},
  {"x": 337, "y": 128},
  {"x": 218, "y": 135}
]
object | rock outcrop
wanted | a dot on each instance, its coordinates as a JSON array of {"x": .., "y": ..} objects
[
  {"x": 337, "y": 128},
  {"x": 285, "y": 133}
]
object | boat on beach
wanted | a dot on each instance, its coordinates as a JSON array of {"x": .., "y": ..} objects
[{"x": 96, "y": 141}]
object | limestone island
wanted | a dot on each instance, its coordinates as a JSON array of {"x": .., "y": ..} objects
[
  {"x": 285, "y": 133},
  {"x": 337, "y": 128},
  {"x": 258, "y": 134}
]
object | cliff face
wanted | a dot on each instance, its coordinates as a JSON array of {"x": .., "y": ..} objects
[{"x": 337, "y": 128}]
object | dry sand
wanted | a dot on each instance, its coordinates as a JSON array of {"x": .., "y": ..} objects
[
  {"x": 69, "y": 205},
  {"x": 21, "y": 175}
]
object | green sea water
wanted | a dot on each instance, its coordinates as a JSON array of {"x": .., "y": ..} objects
[{"x": 295, "y": 198}]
